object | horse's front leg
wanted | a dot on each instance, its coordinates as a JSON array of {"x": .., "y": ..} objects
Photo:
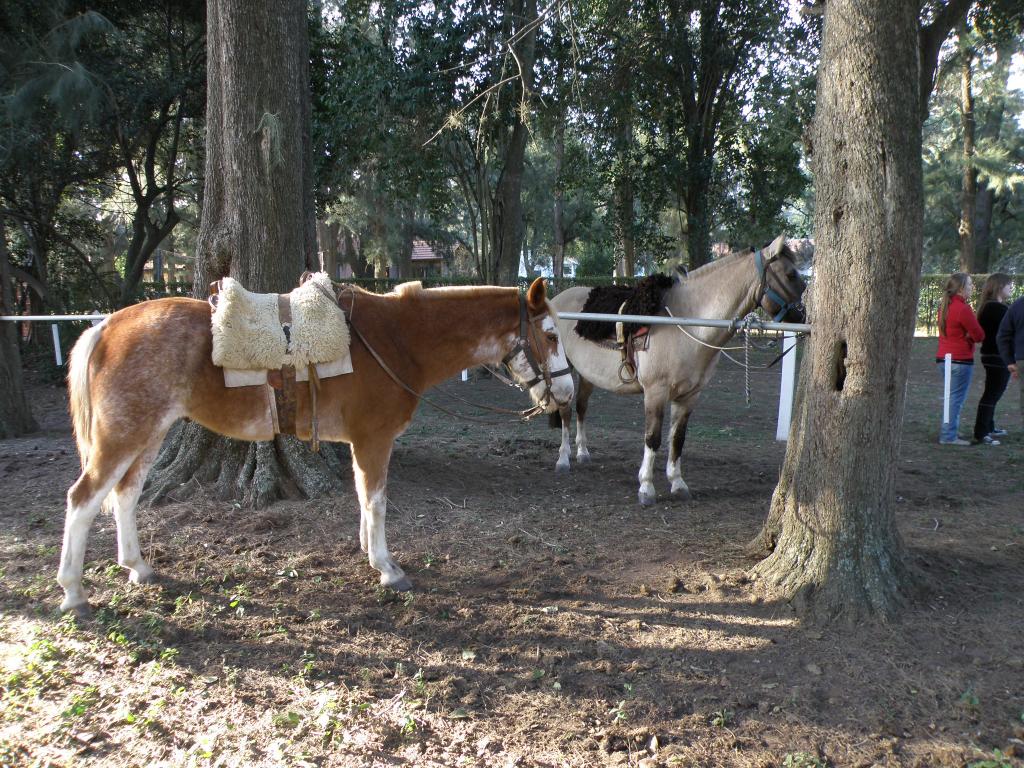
[
  {"x": 583, "y": 392},
  {"x": 654, "y": 410},
  {"x": 370, "y": 459},
  {"x": 565, "y": 416},
  {"x": 674, "y": 469}
]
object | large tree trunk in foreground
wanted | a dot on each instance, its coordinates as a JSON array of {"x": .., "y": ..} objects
[
  {"x": 258, "y": 226},
  {"x": 835, "y": 548},
  {"x": 15, "y": 414}
]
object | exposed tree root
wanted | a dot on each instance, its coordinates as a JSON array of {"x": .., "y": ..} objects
[{"x": 256, "y": 474}]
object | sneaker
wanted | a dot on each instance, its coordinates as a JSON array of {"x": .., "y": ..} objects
[
  {"x": 958, "y": 441},
  {"x": 988, "y": 440},
  {"x": 998, "y": 433}
]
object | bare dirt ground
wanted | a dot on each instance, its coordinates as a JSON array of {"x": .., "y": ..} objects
[{"x": 554, "y": 622}]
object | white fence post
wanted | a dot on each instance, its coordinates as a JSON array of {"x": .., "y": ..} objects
[
  {"x": 56, "y": 344},
  {"x": 788, "y": 385},
  {"x": 945, "y": 393}
]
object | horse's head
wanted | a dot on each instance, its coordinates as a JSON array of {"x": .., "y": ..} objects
[
  {"x": 781, "y": 287},
  {"x": 538, "y": 361}
]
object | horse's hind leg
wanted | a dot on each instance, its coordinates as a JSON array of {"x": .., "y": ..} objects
[
  {"x": 84, "y": 500},
  {"x": 370, "y": 461},
  {"x": 674, "y": 469},
  {"x": 654, "y": 414},
  {"x": 583, "y": 392},
  {"x": 125, "y": 498}
]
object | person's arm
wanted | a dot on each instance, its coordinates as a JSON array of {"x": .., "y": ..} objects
[
  {"x": 1004, "y": 341},
  {"x": 970, "y": 323}
]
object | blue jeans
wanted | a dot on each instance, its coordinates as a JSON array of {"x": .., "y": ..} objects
[{"x": 959, "y": 384}]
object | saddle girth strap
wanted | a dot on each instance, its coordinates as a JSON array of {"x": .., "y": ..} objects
[{"x": 283, "y": 383}]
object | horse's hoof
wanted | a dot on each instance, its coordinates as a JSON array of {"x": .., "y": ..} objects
[
  {"x": 646, "y": 499},
  {"x": 562, "y": 469},
  {"x": 683, "y": 493},
  {"x": 81, "y": 612},
  {"x": 143, "y": 578},
  {"x": 402, "y": 585},
  {"x": 583, "y": 458}
]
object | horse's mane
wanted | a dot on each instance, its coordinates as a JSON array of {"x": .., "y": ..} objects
[
  {"x": 407, "y": 289},
  {"x": 704, "y": 270}
]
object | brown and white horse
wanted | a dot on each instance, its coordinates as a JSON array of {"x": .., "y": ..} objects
[
  {"x": 131, "y": 377},
  {"x": 675, "y": 366}
]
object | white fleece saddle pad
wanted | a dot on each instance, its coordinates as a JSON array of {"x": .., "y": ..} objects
[{"x": 251, "y": 335}]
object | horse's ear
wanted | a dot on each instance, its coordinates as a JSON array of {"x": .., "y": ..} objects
[
  {"x": 537, "y": 295},
  {"x": 777, "y": 245}
]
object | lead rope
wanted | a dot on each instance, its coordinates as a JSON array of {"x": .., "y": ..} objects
[{"x": 746, "y": 358}]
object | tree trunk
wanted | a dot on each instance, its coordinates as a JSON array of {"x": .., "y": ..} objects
[
  {"x": 625, "y": 246},
  {"x": 15, "y": 413},
  {"x": 257, "y": 226},
  {"x": 507, "y": 230},
  {"x": 835, "y": 548},
  {"x": 328, "y": 234},
  {"x": 558, "y": 223},
  {"x": 969, "y": 181}
]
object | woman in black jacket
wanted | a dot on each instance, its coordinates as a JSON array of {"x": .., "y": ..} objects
[{"x": 991, "y": 309}]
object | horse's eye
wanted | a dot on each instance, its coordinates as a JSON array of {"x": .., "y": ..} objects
[{"x": 552, "y": 337}]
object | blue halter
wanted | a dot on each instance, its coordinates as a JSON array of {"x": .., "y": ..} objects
[{"x": 771, "y": 293}]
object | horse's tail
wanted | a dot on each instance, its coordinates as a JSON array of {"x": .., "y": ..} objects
[{"x": 78, "y": 390}]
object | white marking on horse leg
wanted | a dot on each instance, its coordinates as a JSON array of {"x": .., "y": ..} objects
[
  {"x": 362, "y": 528},
  {"x": 562, "y": 465},
  {"x": 646, "y": 477},
  {"x": 380, "y": 559},
  {"x": 582, "y": 452},
  {"x": 77, "y": 522},
  {"x": 674, "y": 471},
  {"x": 129, "y": 554}
]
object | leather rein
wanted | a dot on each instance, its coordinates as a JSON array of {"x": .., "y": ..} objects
[{"x": 526, "y": 326}]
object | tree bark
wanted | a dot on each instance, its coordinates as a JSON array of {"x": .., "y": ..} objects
[
  {"x": 623, "y": 197},
  {"x": 507, "y": 229},
  {"x": 257, "y": 226},
  {"x": 969, "y": 180},
  {"x": 558, "y": 213},
  {"x": 15, "y": 413},
  {"x": 835, "y": 549}
]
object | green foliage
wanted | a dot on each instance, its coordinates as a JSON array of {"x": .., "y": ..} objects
[
  {"x": 803, "y": 760},
  {"x": 998, "y": 158}
]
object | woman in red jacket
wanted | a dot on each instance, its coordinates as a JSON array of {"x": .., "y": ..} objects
[{"x": 959, "y": 331}]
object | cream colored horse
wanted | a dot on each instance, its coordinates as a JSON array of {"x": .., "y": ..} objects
[{"x": 674, "y": 368}]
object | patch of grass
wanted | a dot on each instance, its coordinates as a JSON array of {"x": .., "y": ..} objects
[
  {"x": 618, "y": 713},
  {"x": 39, "y": 672},
  {"x": 81, "y": 703},
  {"x": 723, "y": 718},
  {"x": 998, "y": 760},
  {"x": 969, "y": 700},
  {"x": 803, "y": 760}
]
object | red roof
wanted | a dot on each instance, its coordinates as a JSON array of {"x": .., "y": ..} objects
[{"x": 421, "y": 251}]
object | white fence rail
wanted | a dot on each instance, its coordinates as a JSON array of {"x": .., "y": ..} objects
[{"x": 789, "y": 330}]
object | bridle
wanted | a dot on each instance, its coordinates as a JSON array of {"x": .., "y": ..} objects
[
  {"x": 541, "y": 372},
  {"x": 765, "y": 290}
]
